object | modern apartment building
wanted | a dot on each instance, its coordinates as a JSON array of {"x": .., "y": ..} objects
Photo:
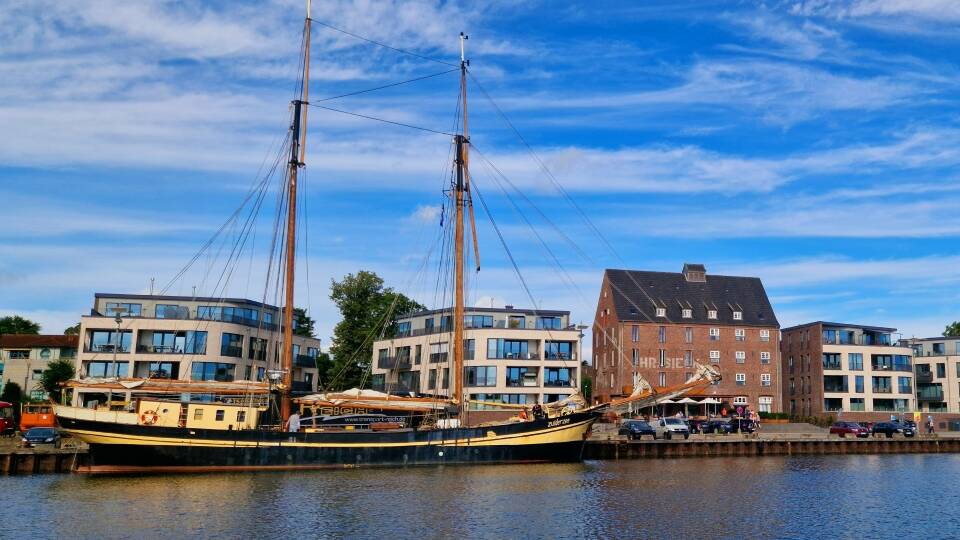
[
  {"x": 189, "y": 338},
  {"x": 936, "y": 363},
  {"x": 23, "y": 357},
  {"x": 854, "y": 370},
  {"x": 657, "y": 325},
  {"x": 518, "y": 356}
]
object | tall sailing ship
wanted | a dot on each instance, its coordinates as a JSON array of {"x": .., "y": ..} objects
[{"x": 201, "y": 426}]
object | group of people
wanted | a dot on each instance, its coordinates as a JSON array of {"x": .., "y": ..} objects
[{"x": 537, "y": 413}]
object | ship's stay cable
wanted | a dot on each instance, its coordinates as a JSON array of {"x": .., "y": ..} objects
[
  {"x": 384, "y": 120},
  {"x": 358, "y": 92},
  {"x": 384, "y": 45}
]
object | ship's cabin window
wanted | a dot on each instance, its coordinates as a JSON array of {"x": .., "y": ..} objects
[
  {"x": 219, "y": 415},
  {"x": 241, "y": 416},
  {"x": 198, "y": 414}
]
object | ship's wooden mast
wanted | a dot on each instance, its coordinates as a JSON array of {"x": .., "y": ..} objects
[
  {"x": 460, "y": 192},
  {"x": 298, "y": 139}
]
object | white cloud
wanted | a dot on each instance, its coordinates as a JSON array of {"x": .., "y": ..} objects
[{"x": 426, "y": 214}]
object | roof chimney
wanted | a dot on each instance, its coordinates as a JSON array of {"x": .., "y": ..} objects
[{"x": 694, "y": 272}]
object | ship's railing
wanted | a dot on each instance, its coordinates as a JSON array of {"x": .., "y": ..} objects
[{"x": 79, "y": 413}]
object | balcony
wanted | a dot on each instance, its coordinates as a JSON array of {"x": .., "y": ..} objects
[
  {"x": 393, "y": 362},
  {"x": 561, "y": 356},
  {"x": 159, "y": 349},
  {"x": 107, "y": 348},
  {"x": 438, "y": 358},
  {"x": 882, "y": 390},
  {"x": 924, "y": 377},
  {"x": 517, "y": 356},
  {"x": 304, "y": 360},
  {"x": 930, "y": 393},
  {"x": 231, "y": 351},
  {"x": 558, "y": 384}
]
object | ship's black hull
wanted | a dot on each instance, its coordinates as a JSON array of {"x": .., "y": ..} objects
[{"x": 136, "y": 448}]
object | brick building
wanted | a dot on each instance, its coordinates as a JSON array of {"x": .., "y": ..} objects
[{"x": 658, "y": 324}]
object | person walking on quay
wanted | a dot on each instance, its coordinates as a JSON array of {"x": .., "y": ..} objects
[{"x": 930, "y": 425}]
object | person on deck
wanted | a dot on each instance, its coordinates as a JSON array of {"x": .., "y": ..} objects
[{"x": 293, "y": 422}]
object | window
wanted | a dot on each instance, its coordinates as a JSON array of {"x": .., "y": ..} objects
[
  {"x": 107, "y": 341},
  {"x": 766, "y": 404},
  {"x": 764, "y": 357},
  {"x": 740, "y": 400},
  {"x": 261, "y": 373},
  {"x": 198, "y": 414},
  {"x": 890, "y": 362},
  {"x": 663, "y": 358},
  {"x": 556, "y": 377},
  {"x": 418, "y": 357},
  {"x": 740, "y": 334},
  {"x": 858, "y": 384},
  {"x": 123, "y": 309},
  {"x": 764, "y": 379},
  {"x": 481, "y": 376},
  {"x": 687, "y": 313},
  {"x": 428, "y": 324},
  {"x": 557, "y": 350},
  {"x": 741, "y": 357},
  {"x": 711, "y": 314},
  {"x": 24, "y": 355},
  {"x": 446, "y": 378},
  {"x": 212, "y": 371},
  {"x": 635, "y": 333},
  {"x": 36, "y": 375},
  {"x": 45, "y": 353},
  {"x": 939, "y": 349},
  {"x": 941, "y": 370},
  {"x": 882, "y": 385},
  {"x": 257, "y": 349},
  {"x": 549, "y": 323},
  {"x": 687, "y": 358},
  {"x": 662, "y": 334},
  {"x": 715, "y": 356},
  {"x": 831, "y": 361},
  {"x": 247, "y": 372},
  {"x": 171, "y": 311},
  {"x": 478, "y": 321},
  {"x": 107, "y": 369},
  {"x": 904, "y": 385},
  {"x": 438, "y": 352},
  {"x": 248, "y": 316},
  {"x": 219, "y": 417},
  {"x": 738, "y": 315},
  {"x": 714, "y": 334},
  {"x": 241, "y": 417},
  {"x": 506, "y": 348},
  {"x": 855, "y": 361},
  {"x": 516, "y": 321},
  {"x": 662, "y": 379},
  {"x": 231, "y": 345},
  {"x": 857, "y": 404},
  {"x": 764, "y": 335},
  {"x": 522, "y": 376},
  {"x": 661, "y": 312},
  {"x": 403, "y": 329},
  {"x": 432, "y": 380},
  {"x": 469, "y": 351},
  {"x": 635, "y": 357},
  {"x": 741, "y": 379},
  {"x": 688, "y": 335}
]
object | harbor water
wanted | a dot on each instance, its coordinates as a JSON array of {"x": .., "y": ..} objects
[{"x": 770, "y": 497}]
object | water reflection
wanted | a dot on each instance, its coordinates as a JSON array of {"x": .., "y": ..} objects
[{"x": 776, "y": 497}]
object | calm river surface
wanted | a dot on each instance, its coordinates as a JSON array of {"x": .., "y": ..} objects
[{"x": 904, "y": 496}]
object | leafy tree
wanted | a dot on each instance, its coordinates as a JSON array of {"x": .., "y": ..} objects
[
  {"x": 73, "y": 330},
  {"x": 952, "y": 330},
  {"x": 303, "y": 325},
  {"x": 57, "y": 372},
  {"x": 12, "y": 393},
  {"x": 366, "y": 306},
  {"x": 586, "y": 388},
  {"x": 16, "y": 324}
]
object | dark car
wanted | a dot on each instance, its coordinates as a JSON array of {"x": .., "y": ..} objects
[
  {"x": 696, "y": 426},
  {"x": 742, "y": 425},
  {"x": 635, "y": 429},
  {"x": 849, "y": 428},
  {"x": 892, "y": 428},
  {"x": 716, "y": 426},
  {"x": 41, "y": 435}
]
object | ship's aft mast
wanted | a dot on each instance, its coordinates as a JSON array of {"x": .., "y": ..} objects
[
  {"x": 298, "y": 139},
  {"x": 462, "y": 199}
]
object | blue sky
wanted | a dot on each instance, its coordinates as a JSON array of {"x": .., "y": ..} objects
[{"x": 812, "y": 144}]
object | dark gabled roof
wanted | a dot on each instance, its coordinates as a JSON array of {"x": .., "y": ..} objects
[
  {"x": 637, "y": 293},
  {"x": 27, "y": 341}
]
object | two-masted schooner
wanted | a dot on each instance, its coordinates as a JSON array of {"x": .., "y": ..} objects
[{"x": 178, "y": 432}]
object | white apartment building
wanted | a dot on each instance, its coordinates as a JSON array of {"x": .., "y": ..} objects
[
  {"x": 189, "y": 338},
  {"x": 936, "y": 363},
  {"x": 517, "y": 356},
  {"x": 23, "y": 357}
]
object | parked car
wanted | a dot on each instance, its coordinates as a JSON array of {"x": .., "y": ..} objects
[
  {"x": 41, "y": 435},
  {"x": 716, "y": 426},
  {"x": 849, "y": 428},
  {"x": 696, "y": 426},
  {"x": 892, "y": 428},
  {"x": 635, "y": 429},
  {"x": 669, "y": 427},
  {"x": 742, "y": 425},
  {"x": 908, "y": 429}
]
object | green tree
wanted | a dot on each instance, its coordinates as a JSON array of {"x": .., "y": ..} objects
[
  {"x": 57, "y": 372},
  {"x": 586, "y": 388},
  {"x": 303, "y": 325},
  {"x": 366, "y": 307},
  {"x": 16, "y": 324},
  {"x": 952, "y": 330},
  {"x": 12, "y": 393},
  {"x": 73, "y": 330}
]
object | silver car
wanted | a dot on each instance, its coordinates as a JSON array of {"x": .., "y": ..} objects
[{"x": 670, "y": 427}]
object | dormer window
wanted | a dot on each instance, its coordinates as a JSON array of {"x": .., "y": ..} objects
[
  {"x": 711, "y": 314},
  {"x": 687, "y": 313},
  {"x": 738, "y": 315},
  {"x": 661, "y": 312}
]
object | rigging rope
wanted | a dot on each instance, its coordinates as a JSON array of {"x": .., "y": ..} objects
[
  {"x": 368, "y": 117},
  {"x": 384, "y": 45},
  {"x": 382, "y": 87}
]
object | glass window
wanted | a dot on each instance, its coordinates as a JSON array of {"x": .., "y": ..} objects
[
  {"x": 550, "y": 323},
  {"x": 764, "y": 379},
  {"x": 257, "y": 349},
  {"x": 855, "y": 361},
  {"x": 687, "y": 313},
  {"x": 106, "y": 341},
  {"x": 941, "y": 370},
  {"x": 663, "y": 358},
  {"x": 478, "y": 321},
  {"x": 741, "y": 379},
  {"x": 764, "y": 335},
  {"x": 481, "y": 375},
  {"x": 556, "y": 377},
  {"x": 558, "y": 350},
  {"x": 438, "y": 352},
  {"x": 516, "y": 321},
  {"x": 740, "y": 334},
  {"x": 858, "y": 384},
  {"x": 904, "y": 385},
  {"x": 661, "y": 312},
  {"x": 219, "y": 415},
  {"x": 198, "y": 414},
  {"x": 714, "y": 356},
  {"x": 19, "y": 355},
  {"x": 635, "y": 333},
  {"x": 711, "y": 314},
  {"x": 212, "y": 371},
  {"x": 231, "y": 345},
  {"x": 403, "y": 329},
  {"x": 738, "y": 315},
  {"x": 714, "y": 334},
  {"x": 687, "y": 358},
  {"x": 831, "y": 361},
  {"x": 688, "y": 335},
  {"x": 635, "y": 357},
  {"x": 172, "y": 311},
  {"x": 857, "y": 404},
  {"x": 741, "y": 357},
  {"x": 662, "y": 334},
  {"x": 506, "y": 348},
  {"x": 103, "y": 369},
  {"x": 662, "y": 379},
  {"x": 765, "y": 357},
  {"x": 123, "y": 309},
  {"x": 522, "y": 376}
]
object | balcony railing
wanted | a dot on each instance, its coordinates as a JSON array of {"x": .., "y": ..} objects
[
  {"x": 517, "y": 356},
  {"x": 522, "y": 383},
  {"x": 305, "y": 360},
  {"x": 924, "y": 377},
  {"x": 107, "y": 348},
  {"x": 835, "y": 388},
  {"x": 231, "y": 351},
  {"x": 894, "y": 367},
  {"x": 882, "y": 390},
  {"x": 561, "y": 356},
  {"x": 558, "y": 384},
  {"x": 862, "y": 340},
  {"x": 437, "y": 358},
  {"x": 930, "y": 394},
  {"x": 393, "y": 362}
]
